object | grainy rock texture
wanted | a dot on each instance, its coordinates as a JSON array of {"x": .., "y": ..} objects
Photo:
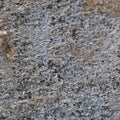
[{"x": 66, "y": 62}]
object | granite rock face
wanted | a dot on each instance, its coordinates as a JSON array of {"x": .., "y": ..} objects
[{"x": 66, "y": 62}]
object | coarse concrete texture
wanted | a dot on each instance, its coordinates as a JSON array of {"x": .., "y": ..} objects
[{"x": 66, "y": 62}]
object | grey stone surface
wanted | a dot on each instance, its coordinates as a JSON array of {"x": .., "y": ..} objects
[{"x": 67, "y": 62}]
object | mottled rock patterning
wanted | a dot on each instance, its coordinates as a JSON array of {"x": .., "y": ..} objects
[{"x": 66, "y": 62}]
